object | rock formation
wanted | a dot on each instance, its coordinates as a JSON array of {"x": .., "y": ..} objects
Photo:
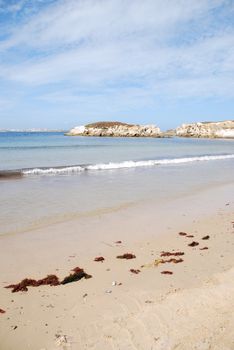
[
  {"x": 224, "y": 129},
  {"x": 116, "y": 129}
]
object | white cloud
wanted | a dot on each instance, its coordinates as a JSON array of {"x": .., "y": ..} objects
[
  {"x": 167, "y": 47},
  {"x": 69, "y": 22}
]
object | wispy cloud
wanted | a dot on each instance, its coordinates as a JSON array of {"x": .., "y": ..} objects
[{"x": 148, "y": 50}]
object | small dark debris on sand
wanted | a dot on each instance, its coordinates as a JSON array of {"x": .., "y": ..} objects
[
  {"x": 135, "y": 271},
  {"x": 2, "y": 311},
  {"x": 99, "y": 258},
  {"x": 172, "y": 260},
  {"x": 76, "y": 276},
  {"x": 171, "y": 254},
  {"x": 193, "y": 244},
  {"x": 167, "y": 273},
  {"x": 185, "y": 234},
  {"x": 204, "y": 248},
  {"x": 51, "y": 280},
  {"x": 126, "y": 256},
  {"x": 118, "y": 242},
  {"x": 206, "y": 237}
]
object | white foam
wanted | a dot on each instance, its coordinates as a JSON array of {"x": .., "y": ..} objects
[
  {"x": 51, "y": 171},
  {"x": 122, "y": 165},
  {"x": 146, "y": 163}
]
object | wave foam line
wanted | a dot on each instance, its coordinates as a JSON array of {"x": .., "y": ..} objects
[
  {"x": 50, "y": 171},
  {"x": 122, "y": 165}
]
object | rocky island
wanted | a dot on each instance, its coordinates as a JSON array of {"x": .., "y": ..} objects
[
  {"x": 223, "y": 129},
  {"x": 115, "y": 129}
]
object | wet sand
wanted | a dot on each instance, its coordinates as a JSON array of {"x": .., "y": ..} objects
[
  {"x": 118, "y": 309},
  {"x": 10, "y": 175}
]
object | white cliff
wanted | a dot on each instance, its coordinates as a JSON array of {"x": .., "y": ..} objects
[{"x": 223, "y": 129}]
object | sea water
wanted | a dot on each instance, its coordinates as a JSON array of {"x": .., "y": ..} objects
[{"x": 58, "y": 178}]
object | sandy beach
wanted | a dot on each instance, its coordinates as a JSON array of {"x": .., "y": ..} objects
[
  {"x": 116, "y": 308},
  {"x": 116, "y": 175}
]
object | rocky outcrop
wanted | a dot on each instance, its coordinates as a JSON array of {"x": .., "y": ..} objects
[
  {"x": 116, "y": 129},
  {"x": 224, "y": 129}
]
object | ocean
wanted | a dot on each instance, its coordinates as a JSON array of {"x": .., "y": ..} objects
[{"x": 47, "y": 178}]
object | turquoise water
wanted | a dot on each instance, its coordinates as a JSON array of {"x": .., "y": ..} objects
[{"x": 106, "y": 173}]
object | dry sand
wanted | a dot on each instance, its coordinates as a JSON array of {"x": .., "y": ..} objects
[{"x": 190, "y": 309}]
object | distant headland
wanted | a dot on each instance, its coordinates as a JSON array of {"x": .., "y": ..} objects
[
  {"x": 222, "y": 129},
  {"x": 32, "y": 130}
]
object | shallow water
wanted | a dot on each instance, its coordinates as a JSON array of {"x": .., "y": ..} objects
[{"x": 38, "y": 198}]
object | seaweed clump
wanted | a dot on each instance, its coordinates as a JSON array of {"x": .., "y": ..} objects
[
  {"x": 51, "y": 280},
  {"x": 182, "y": 233},
  {"x": 172, "y": 260},
  {"x": 126, "y": 256},
  {"x": 167, "y": 273},
  {"x": 77, "y": 275},
  {"x": 206, "y": 237},
  {"x": 99, "y": 258},
  {"x": 2, "y": 311},
  {"x": 193, "y": 244},
  {"x": 172, "y": 254},
  {"x": 135, "y": 271}
]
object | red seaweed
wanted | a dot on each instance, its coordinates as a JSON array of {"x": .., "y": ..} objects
[
  {"x": 135, "y": 271},
  {"x": 126, "y": 256},
  {"x": 118, "y": 242},
  {"x": 22, "y": 286},
  {"x": 206, "y": 237},
  {"x": 51, "y": 280},
  {"x": 99, "y": 258},
  {"x": 204, "y": 248},
  {"x": 171, "y": 254},
  {"x": 76, "y": 276},
  {"x": 172, "y": 260},
  {"x": 185, "y": 234},
  {"x": 2, "y": 311},
  {"x": 193, "y": 244},
  {"x": 167, "y": 272}
]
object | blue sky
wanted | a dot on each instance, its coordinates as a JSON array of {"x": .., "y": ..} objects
[{"x": 69, "y": 62}]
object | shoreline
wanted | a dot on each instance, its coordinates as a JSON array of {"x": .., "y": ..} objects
[
  {"x": 44, "y": 222},
  {"x": 144, "y": 307}
]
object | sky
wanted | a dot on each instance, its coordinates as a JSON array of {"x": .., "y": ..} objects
[{"x": 70, "y": 62}]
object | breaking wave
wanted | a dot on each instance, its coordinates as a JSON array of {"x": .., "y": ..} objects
[{"x": 121, "y": 165}]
